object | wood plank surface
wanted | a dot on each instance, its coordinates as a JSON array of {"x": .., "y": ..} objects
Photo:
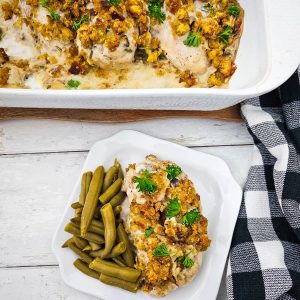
[
  {"x": 32, "y": 136},
  {"x": 115, "y": 115}
]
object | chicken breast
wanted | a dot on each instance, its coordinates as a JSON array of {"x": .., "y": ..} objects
[
  {"x": 184, "y": 58},
  {"x": 165, "y": 224}
]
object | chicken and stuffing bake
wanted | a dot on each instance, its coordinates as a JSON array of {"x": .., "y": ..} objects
[
  {"x": 165, "y": 223},
  {"x": 97, "y": 44}
]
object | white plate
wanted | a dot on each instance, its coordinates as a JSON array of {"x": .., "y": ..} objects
[
  {"x": 220, "y": 196},
  {"x": 269, "y": 53}
]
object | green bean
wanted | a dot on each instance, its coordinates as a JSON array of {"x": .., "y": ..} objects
[
  {"x": 84, "y": 268},
  {"x": 112, "y": 269},
  {"x": 97, "y": 212},
  {"x": 120, "y": 172},
  {"x": 91, "y": 200},
  {"x": 126, "y": 285},
  {"x": 92, "y": 227},
  {"x": 109, "y": 178},
  {"x": 76, "y": 205},
  {"x": 118, "y": 199},
  {"x": 110, "y": 232},
  {"x": 65, "y": 244},
  {"x": 94, "y": 246},
  {"x": 89, "y": 176},
  {"x": 78, "y": 211},
  {"x": 111, "y": 191},
  {"x": 87, "y": 248},
  {"x": 117, "y": 210},
  {"x": 119, "y": 261},
  {"x": 83, "y": 188},
  {"x": 116, "y": 251},
  {"x": 94, "y": 222},
  {"x": 88, "y": 259},
  {"x": 90, "y": 236},
  {"x": 80, "y": 242},
  {"x": 127, "y": 255}
]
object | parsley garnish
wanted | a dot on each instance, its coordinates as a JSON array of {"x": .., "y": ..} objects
[
  {"x": 173, "y": 171},
  {"x": 161, "y": 250},
  {"x": 73, "y": 84},
  {"x": 145, "y": 184},
  {"x": 224, "y": 36},
  {"x": 185, "y": 261},
  {"x": 173, "y": 208},
  {"x": 155, "y": 11},
  {"x": 77, "y": 24},
  {"x": 209, "y": 8},
  {"x": 148, "y": 231},
  {"x": 191, "y": 217},
  {"x": 54, "y": 15},
  {"x": 114, "y": 2},
  {"x": 234, "y": 10},
  {"x": 192, "y": 40}
]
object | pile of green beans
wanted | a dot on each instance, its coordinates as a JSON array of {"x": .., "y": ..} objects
[{"x": 98, "y": 236}]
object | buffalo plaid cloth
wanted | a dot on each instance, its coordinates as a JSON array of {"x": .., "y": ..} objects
[{"x": 264, "y": 260}]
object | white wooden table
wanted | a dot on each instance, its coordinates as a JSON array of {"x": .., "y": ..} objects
[{"x": 39, "y": 163}]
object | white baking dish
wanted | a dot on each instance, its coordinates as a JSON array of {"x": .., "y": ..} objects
[{"x": 269, "y": 53}]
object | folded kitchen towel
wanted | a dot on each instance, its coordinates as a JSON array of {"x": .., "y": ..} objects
[{"x": 264, "y": 260}]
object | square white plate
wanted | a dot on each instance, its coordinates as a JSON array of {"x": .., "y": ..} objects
[{"x": 220, "y": 195}]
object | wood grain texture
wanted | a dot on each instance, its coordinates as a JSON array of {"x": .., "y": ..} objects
[
  {"x": 35, "y": 189},
  {"x": 115, "y": 115},
  {"x": 38, "y": 283},
  {"x": 32, "y": 136}
]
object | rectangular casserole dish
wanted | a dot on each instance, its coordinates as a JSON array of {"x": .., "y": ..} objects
[{"x": 269, "y": 53}]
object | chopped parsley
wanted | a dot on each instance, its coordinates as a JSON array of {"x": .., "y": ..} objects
[
  {"x": 114, "y": 2},
  {"x": 173, "y": 171},
  {"x": 148, "y": 231},
  {"x": 155, "y": 11},
  {"x": 173, "y": 208},
  {"x": 209, "y": 8},
  {"x": 192, "y": 40},
  {"x": 73, "y": 84},
  {"x": 224, "y": 36},
  {"x": 185, "y": 261},
  {"x": 145, "y": 184},
  {"x": 77, "y": 24},
  {"x": 161, "y": 250},
  {"x": 54, "y": 15},
  {"x": 234, "y": 10},
  {"x": 191, "y": 217}
]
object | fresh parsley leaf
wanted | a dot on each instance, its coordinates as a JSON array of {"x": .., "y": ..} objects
[
  {"x": 148, "y": 231},
  {"x": 54, "y": 15},
  {"x": 161, "y": 250},
  {"x": 44, "y": 3},
  {"x": 209, "y": 8},
  {"x": 224, "y": 36},
  {"x": 77, "y": 24},
  {"x": 173, "y": 208},
  {"x": 155, "y": 11},
  {"x": 114, "y": 2},
  {"x": 234, "y": 10},
  {"x": 145, "y": 184},
  {"x": 145, "y": 173},
  {"x": 73, "y": 84},
  {"x": 173, "y": 171},
  {"x": 192, "y": 40},
  {"x": 185, "y": 261},
  {"x": 191, "y": 217}
]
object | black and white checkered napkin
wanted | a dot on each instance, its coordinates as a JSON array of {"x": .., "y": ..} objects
[{"x": 264, "y": 260}]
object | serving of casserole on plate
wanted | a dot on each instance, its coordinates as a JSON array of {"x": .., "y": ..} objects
[
  {"x": 163, "y": 217},
  {"x": 92, "y": 44}
]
